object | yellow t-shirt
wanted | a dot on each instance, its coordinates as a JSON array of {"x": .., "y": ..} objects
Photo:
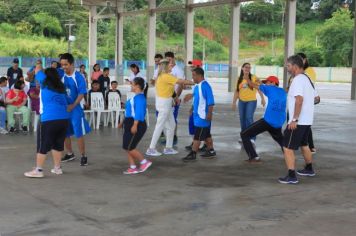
[
  {"x": 311, "y": 73},
  {"x": 247, "y": 94},
  {"x": 165, "y": 85}
]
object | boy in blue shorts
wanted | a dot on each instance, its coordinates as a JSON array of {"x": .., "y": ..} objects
[
  {"x": 202, "y": 114},
  {"x": 76, "y": 90}
]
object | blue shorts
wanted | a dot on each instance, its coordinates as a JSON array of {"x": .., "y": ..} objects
[{"x": 78, "y": 126}]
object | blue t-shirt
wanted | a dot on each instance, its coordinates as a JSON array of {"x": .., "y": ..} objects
[
  {"x": 275, "y": 114},
  {"x": 75, "y": 85},
  {"x": 60, "y": 72},
  {"x": 53, "y": 105},
  {"x": 203, "y": 98},
  {"x": 136, "y": 107}
]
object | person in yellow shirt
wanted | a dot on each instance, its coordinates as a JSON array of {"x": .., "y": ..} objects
[
  {"x": 164, "y": 100},
  {"x": 247, "y": 97}
]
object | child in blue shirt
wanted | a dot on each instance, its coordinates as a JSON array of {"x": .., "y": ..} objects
[{"x": 135, "y": 127}]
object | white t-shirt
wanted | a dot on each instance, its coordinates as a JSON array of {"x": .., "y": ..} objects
[
  {"x": 178, "y": 73},
  {"x": 139, "y": 74},
  {"x": 301, "y": 86}
]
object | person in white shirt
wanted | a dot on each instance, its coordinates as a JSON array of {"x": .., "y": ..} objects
[
  {"x": 135, "y": 72},
  {"x": 178, "y": 73},
  {"x": 300, "y": 104},
  {"x": 158, "y": 58}
]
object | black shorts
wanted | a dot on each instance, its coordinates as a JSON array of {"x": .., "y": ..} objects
[
  {"x": 130, "y": 140},
  {"x": 51, "y": 135},
  {"x": 202, "y": 133},
  {"x": 293, "y": 139}
]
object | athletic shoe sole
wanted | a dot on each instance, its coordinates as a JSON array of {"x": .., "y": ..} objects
[
  {"x": 34, "y": 176},
  {"x": 67, "y": 160},
  {"x": 131, "y": 173},
  {"x": 153, "y": 155},
  {"x": 288, "y": 182},
  {"x": 309, "y": 175},
  {"x": 57, "y": 173}
]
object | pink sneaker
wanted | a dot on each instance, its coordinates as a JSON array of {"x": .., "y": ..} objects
[
  {"x": 131, "y": 171},
  {"x": 145, "y": 166}
]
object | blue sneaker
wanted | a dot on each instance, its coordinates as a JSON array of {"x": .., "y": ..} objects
[
  {"x": 288, "y": 180},
  {"x": 306, "y": 172}
]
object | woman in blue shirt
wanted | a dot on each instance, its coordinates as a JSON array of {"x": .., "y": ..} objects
[
  {"x": 54, "y": 120},
  {"x": 135, "y": 127}
]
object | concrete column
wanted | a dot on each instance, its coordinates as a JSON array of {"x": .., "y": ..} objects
[
  {"x": 92, "y": 38},
  {"x": 289, "y": 38},
  {"x": 189, "y": 37},
  {"x": 353, "y": 80},
  {"x": 151, "y": 40},
  {"x": 234, "y": 45},
  {"x": 119, "y": 52}
]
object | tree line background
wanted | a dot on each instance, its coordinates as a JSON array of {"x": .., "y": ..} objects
[{"x": 37, "y": 28}]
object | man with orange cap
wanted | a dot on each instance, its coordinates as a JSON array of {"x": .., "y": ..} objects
[{"x": 272, "y": 120}]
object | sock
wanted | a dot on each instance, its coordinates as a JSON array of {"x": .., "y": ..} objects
[
  {"x": 144, "y": 161},
  {"x": 39, "y": 169},
  {"x": 291, "y": 173},
  {"x": 133, "y": 166},
  {"x": 309, "y": 166},
  {"x": 69, "y": 153},
  {"x": 57, "y": 167}
]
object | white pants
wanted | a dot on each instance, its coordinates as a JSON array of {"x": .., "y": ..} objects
[{"x": 165, "y": 120}]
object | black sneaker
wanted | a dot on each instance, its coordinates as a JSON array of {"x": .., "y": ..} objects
[
  {"x": 12, "y": 130},
  {"x": 68, "y": 157},
  {"x": 192, "y": 156},
  {"x": 288, "y": 180},
  {"x": 24, "y": 129},
  {"x": 209, "y": 154},
  {"x": 204, "y": 148},
  {"x": 306, "y": 172},
  {"x": 84, "y": 161},
  {"x": 189, "y": 147}
]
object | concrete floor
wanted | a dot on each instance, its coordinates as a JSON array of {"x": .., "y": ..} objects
[{"x": 224, "y": 196}]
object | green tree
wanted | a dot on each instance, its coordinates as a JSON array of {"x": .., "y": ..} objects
[
  {"x": 336, "y": 38},
  {"x": 46, "y": 25}
]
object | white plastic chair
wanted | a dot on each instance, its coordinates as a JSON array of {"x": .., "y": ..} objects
[
  {"x": 91, "y": 115},
  {"x": 114, "y": 104},
  {"x": 98, "y": 106},
  {"x": 35, "y": 116}
]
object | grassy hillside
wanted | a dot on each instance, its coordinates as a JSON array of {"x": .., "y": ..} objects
[{"x": 255, "y": 41}]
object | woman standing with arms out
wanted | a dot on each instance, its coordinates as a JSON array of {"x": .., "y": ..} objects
[
  {"x": 164, "y": 101},
  {"x": 135, "y": 127},
  {"x": 96, "y": 72},
  {"x": 54, "y": 121},
  {"x": 247, "y": 97}
]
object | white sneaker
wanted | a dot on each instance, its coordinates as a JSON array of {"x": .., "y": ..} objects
[
  {"x": 57, "y": 171},
  {"x": 153, "y": 152},
  {"x": 34, "y": 174},
  {"x": 3, "y": 131},
  {"x": 170, "y": 151}
]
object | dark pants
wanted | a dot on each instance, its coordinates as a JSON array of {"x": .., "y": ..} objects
[{"x": 256, "y": 128}]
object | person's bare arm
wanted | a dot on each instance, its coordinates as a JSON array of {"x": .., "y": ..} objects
[
  {"x": 209, "y": 116},
  {"x": 234, "y": 100}
]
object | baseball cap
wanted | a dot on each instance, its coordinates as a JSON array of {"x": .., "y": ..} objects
[
  {"x": 16, "y": 60},
  {"x": 272, "y": 79},
  {"x": 196, "y": 63}
]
